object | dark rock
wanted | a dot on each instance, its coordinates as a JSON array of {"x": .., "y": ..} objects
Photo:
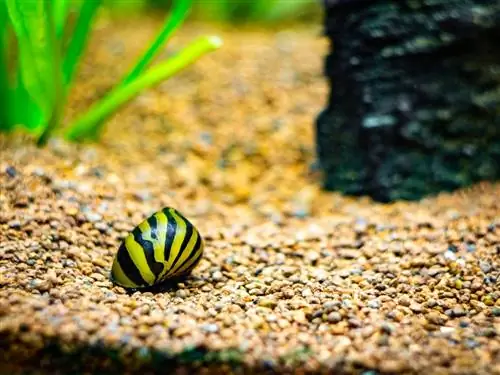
[
  {"x": 11, "y": 171},
  {"x": 413, "y": 107}
]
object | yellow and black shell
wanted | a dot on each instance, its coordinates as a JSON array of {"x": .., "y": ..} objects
[{"x": 165, "y": 245}]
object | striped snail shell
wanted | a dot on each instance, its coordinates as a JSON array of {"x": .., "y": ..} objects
[{"x": 164, "y": 246}]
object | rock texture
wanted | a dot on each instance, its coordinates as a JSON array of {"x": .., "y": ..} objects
[{"x": 415, "y": 96}]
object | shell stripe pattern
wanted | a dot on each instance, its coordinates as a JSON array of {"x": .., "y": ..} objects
[{"x": 164, "y": 245}]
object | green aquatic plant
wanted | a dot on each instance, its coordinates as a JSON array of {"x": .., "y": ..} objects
[
  {"x": 33, "y": 92},
  {"x": 237, "y": 11},
  {"x": 240, "y": 11}
]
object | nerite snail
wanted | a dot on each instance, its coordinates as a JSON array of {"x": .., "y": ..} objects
[{"x": 163, "y": 246}]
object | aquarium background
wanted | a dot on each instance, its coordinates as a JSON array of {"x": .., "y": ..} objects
[{"x": 250, "y": 126}]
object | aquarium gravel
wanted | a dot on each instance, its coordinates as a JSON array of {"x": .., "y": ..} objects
[{"x": 293, "y": 279}]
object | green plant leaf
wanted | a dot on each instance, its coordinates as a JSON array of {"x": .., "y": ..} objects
[
  {"x": 23, "y": 110},
  {"x": 5, "y": 123},
  {"x": 261, "y": 8},
  {"x": 90, "y": 124},
  {"x": 79, "y": 39},
  {"x": 61, "y": 9},
  {"x": 179, "y": 13},
  {"x": 282, "y": 9},
  {"x": 33, "y": 25}
]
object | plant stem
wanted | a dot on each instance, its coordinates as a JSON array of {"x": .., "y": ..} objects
[
  {"x": 90, "y": 124},
  {"x": 177, "y": 16},
  {"x": 57, "y": 78},
  {"x": 52, "y": 123}
]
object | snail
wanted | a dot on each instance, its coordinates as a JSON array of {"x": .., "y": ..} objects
[{"x": 164, "y": 246}]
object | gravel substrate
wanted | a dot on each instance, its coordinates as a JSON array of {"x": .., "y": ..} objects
[{"x": 294, "y": 280}]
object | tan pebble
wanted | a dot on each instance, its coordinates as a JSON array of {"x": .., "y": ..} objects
[
  {"x": 431, "y": 302},
  {"x": 299, "y": 316},
  {"x": 217, "y": 276},
  {"x": 41, "y": 285},
  {"x": 267, "y": 302},
  {"x": 256, "y": 292},
  {"x": 334, "y": 317},
  {"x": 283, "y": 323},
  {"x": 404, "y": 301},
  {"x": 416, "y": 307},
  {"x": 86, "y": 269},
  {"x": 182, "y": 331},
  {"x": 100, "y": 262},
  {"x": 307, "y": 292},
  {"x": 97, "y": 276},
  {"x": 83, "y": 256},
  {"x": 206, "y": 288},
  {"x": 258, "y": 322},
  {"x": 233, "y": 309},
  {"x": 392, "y": 366},
  {"x": 435, "y": 317},
  {"x": 227, "y": 333}
]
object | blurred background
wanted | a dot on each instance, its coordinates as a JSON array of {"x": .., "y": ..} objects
[{"x": 231, "y": 11}]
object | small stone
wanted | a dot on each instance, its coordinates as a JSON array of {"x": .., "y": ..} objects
[
  {"x": 471, "y": 343},
  {"x": 458, "y": 311},
  {"x": 307, "y": 293},
  {"x": 267, "y": 302},
  {"x": 41, "y": 285},
  {"x": 488, "y": 332},
  {"x": 334, "y": 317},
  {"x": 210, "y": 328},
  {"x": 431, "y": 303},
  {"x": 330, "y": 306},
  {"x": 355, "y": 323},
  {"x": 206, "y": 288},
  {"x": 447, "y": 330},
  {"x": 415, "y": 307},
  {"x": 182, "y": 293},
  {"x": 217, "y": 276},
  {"x": 271, "y": 318},
  {"x": 496, "y": 311},
  {"x": 349, "y": 254},
  {"x": 373, "y": 304},
  {"x": 450, "y": 255},
  {"x": 101, "y": 226},
  {"x": 93, "y": 216},
  {"x": 485, "y": 266},
  {"x": 434, "y": 271},
  {"x": 21, "y": 201},
  {"x": 404, "y": 301},
  {"x": 14, "y": 224},
  {"x": 488, "y": 300},
  {"x": 11, "y": 171},
  {"x": 436, "y": 318},
  {"x": 471, "y": 247},
  {"x": 387, "y": 328},
  {"x": 143, "y": 195}
]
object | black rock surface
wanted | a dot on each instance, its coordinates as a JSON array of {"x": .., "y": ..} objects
[{"x": 414, "y": 106}]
